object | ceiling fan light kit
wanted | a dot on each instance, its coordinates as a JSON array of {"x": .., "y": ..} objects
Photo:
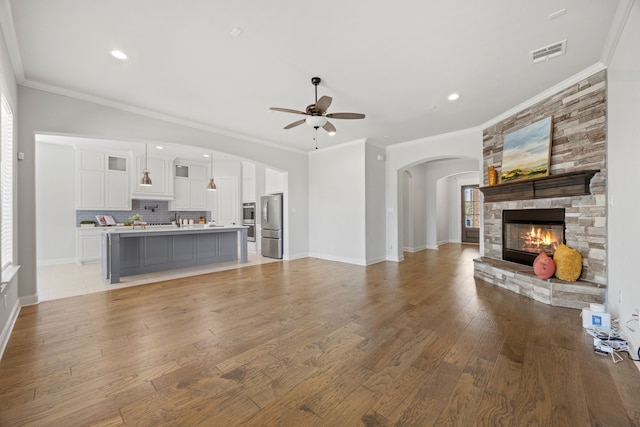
[
  {"x": 316, "y": 121},
  {"x": 316, "y": 113}
]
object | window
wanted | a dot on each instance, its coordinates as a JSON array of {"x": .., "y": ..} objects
[
  {"x": 6, "y": 185},
  {"x": 471, "y": 206}
]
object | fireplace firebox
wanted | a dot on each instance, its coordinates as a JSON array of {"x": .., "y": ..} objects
[{"x": 528, "y": 232}]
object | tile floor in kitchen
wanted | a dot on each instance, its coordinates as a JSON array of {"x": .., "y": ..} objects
[{"x": 67, "y": 280}]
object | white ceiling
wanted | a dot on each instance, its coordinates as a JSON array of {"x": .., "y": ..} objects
[{"x": 394, "y": 61}]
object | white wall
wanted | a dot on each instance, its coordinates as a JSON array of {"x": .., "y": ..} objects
[
  {"x": 430, "y": 214},
  {"x": 375, "y": 203},
  {"x": 337, "y": 218},
  {"x": 443, "y": 211},
  {"x": 466, "y": 144},
  {"x": 623, "y": 152},
  {"x": 45, "y": 112},
  {"x": 456, "y": 182},
  {"x": 55, "y": 203},
  {"x": 406, "y": 221},
  {"x": 414, "y": 208},
  {"x": 436, "y": 171}
]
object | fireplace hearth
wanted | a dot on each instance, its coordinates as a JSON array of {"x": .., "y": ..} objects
[{"x": 528, "y": 232}]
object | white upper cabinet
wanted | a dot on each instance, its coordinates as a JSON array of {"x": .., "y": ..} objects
[
  {"x": 90, "y": 191},
  {"x": 102, "y": 181},
  {"x": 161, "y": 173},
  {"x": 117, "y": 195},
  {"x": 248, "y": 182},
  {"x": 224, "y": 202},
  {"x": 274, "y": 181},
  {"x": 190, "y": 185}
]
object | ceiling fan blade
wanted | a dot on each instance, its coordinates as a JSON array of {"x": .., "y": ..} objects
[
  {"x": 323, "y": 104},
  {"x": 329, "y": 128},
  {"x": 294, "y": 124},
  {"x": 287, "y": 110},
  {"x": 345, "y": 116}
]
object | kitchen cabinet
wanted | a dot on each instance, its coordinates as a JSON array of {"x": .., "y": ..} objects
[
  {"x": 248, "y": 182},
  {"x": 161, "y": 173},
  {"x": 117, "y": 195},
  {"x": 274, "y": 181},
  {"x": 224, "y": 202},
  {"x": 102, "y": 181},
  {"x": 88, "y": 245},
  {"x": 190, "y": 187}
]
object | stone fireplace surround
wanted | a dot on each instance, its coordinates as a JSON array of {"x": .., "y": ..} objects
[{"x": 578, "y": 144}]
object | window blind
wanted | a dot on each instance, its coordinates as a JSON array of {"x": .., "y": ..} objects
[{"x": 6, "y": 185}]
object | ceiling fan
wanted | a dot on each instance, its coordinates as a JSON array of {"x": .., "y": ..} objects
[{"x": 317, "y": 113}]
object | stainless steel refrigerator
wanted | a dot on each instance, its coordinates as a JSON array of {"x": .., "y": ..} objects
[{"x": 271, "y": 222}]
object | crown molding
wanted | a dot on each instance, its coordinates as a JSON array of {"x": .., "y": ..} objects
[
  {"x": 151, "y": 114},
  {"x": 9, "y": 32},
  {"x": 576, "y": 78},
  {"x": 615, "y": 30}
]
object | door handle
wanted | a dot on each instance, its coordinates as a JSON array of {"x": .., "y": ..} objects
[{"x": 265, "y": 216}]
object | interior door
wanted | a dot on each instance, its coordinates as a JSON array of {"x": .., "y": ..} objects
[{"x": 470, "y": 214}]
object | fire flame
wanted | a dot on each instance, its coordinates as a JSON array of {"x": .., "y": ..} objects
[{"x": 536, "y": 238}]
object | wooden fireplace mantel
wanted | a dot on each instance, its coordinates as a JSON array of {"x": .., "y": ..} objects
[{"x": 561, "y": 185}]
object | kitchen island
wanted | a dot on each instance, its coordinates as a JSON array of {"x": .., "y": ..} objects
[{"x": 134, "y": 250}]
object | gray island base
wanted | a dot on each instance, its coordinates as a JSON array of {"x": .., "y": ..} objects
[{"x": 128, "y": 251}]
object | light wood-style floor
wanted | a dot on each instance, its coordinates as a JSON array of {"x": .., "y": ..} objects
[{"x": 313, "y": 343}]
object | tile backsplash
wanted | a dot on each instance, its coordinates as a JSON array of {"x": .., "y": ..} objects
[{"x": 152, "y": 211}]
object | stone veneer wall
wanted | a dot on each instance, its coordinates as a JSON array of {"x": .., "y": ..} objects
[{"x": 579, "y": 143}]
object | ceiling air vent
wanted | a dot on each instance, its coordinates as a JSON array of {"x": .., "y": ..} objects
[{"x": 548, "y": 52}]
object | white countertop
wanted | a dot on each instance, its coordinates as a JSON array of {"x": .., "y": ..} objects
[{"x": 170, "y": 228}]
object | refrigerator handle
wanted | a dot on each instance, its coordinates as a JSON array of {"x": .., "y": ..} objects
[{"x": 265, "y": 216}]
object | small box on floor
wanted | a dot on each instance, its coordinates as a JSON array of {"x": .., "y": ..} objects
[{"x": 595, "y": 317}]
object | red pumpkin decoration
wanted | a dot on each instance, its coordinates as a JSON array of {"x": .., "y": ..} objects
[{"x": 543, "y": 266}]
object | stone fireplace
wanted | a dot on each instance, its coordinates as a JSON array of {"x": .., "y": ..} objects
[{"x": 576, "y": 186}]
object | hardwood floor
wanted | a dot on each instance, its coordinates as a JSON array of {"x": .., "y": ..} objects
[{"x": 312, "y": 342}]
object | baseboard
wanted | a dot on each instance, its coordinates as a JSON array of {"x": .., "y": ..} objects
[
  {"x": 432, "y": 247},
  {"x": 416, "y": 249},
  {"x": 395, "y": 258},
  {"x": 296, "y": 256},
  {"x": 8, "y": 327},
  {"x": 339, "y": 259},
  {"x": 29, "y": 300},
  {"x": 376, "y": 260}
]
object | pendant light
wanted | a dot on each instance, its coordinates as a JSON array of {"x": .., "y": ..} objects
[
  {"x": 212, "y": 185},
  {"x": 146, "y": 179}
]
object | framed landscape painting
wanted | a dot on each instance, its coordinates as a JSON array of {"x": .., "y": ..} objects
[{"x": 527, "y": 152}]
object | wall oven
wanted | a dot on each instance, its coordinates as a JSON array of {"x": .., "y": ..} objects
[
  {"x": 249, "y": 211},
  {"x": 249, "y": 219}
]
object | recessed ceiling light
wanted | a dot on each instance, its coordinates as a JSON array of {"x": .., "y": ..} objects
[
  {"x": 453, "y": 96},
  {"x": 119, "y": 54},
  {"x": 236, "y": 32},
  {"x": 159, "y": 147},
  {"x": 205, "y": 155}
]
